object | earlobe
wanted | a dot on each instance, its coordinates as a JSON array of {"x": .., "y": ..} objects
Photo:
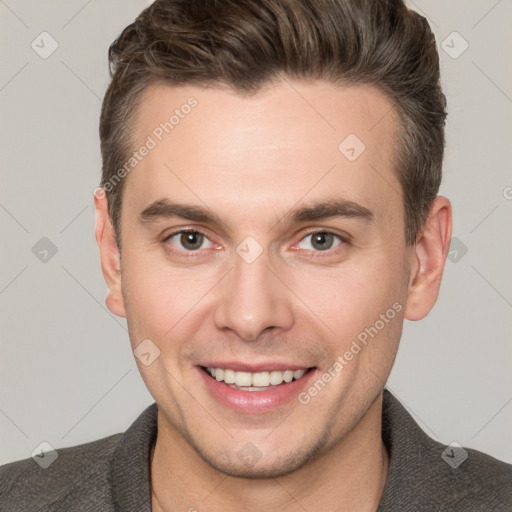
[
  {"x": 429, "y": 255},
  {"x": 109, "y": 254}
]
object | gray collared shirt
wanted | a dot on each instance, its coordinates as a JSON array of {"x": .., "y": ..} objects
[{"x": 112, "y": 474}]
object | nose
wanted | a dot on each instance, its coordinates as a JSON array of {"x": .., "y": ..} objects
[{"x": 253, "y": 299}]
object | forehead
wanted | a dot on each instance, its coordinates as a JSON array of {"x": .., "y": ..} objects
[{"x": 290, "y": 141}]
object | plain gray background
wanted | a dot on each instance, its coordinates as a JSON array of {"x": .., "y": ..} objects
[{"x": 68, "y": 375}]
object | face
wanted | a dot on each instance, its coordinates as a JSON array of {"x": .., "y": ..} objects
[{"x": 259, "y": 247}]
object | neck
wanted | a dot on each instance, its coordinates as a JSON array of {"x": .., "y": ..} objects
[{"x": 349, "y": 475}]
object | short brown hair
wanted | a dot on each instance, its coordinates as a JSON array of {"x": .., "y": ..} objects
[{"x": 246, "y": 44}]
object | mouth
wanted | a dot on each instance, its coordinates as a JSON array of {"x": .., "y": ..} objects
[
  {"x": 255, "y": 392},
  {"x": 254, "y": 381}
]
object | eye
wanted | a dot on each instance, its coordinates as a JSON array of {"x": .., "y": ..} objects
[
  {"x": 189, "y": 240},
  {"x": 320, "y": 241}
]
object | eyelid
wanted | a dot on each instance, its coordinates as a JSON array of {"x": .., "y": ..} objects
[
  {"x": 345, "y": 238},
  {"x": 181, "y": 230},
  {"x": 186, "y": 229}
]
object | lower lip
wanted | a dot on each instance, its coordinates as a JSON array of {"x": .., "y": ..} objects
[{"x": 255, "y": 401}]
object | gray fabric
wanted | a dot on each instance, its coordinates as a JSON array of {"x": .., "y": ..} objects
[
  {"x": 419, "y": 479},
  {"x": 112, "y": 474}
]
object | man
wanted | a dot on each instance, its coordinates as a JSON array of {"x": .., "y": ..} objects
[{"x": 268, "y": 217}]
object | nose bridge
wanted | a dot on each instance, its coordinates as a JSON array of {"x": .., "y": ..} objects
[{"x": 253, "y": 298}]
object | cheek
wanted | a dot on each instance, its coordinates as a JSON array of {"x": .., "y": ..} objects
[
  {"x": 354, "y": 293},
  {"x": 365, "y": 317},
  {"x": 148, "y": 298},
  {"x": 160, "y": 299},
  {"x": 347, "y": 306}
]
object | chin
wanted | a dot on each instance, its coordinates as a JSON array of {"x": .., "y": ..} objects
[{"x": 250, "y": 463}]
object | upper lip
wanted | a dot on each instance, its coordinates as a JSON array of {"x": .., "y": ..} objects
[{"x": 269, "y": 366}]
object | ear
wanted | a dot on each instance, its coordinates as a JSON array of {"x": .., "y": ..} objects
[
  {"x": 430, "y": 252},
  {"x": 109, "y": 254}
]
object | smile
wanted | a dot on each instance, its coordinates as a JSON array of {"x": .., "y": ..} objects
[
  {"x": 259, "y": 381},
  {"x": 255, "y": 392}
]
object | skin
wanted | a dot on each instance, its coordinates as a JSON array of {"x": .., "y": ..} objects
[{"x": 251, "y": 160}]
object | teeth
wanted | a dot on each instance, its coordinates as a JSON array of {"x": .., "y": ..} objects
[
  {"x": 261, "y": 379},
  {"x": 288, "y": 375},
  {"x": 298, "y": 374},
  {"x": 242, "y": 378},
  {"x": 254, "y": 381},
  {"x": 229, "y": 376},
  {"x": 276, "y": 378}
]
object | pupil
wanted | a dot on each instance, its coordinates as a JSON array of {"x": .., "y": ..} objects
[
  {"x": 325, "y": 241},
  {"x": 191, "y": 240}
]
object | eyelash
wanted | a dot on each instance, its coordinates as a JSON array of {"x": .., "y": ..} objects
[{"x": 343, "y": 241}]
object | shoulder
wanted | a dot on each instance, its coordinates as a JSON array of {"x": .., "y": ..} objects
[
  {"x": 104, "y": 475},
  {"x": 79, "y": 476},
  {"x": 468, "y": 479},
  {"x": 428, "y": 475}
]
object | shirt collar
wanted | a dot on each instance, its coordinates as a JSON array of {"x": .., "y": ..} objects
[{"x": 130, "y": 464}]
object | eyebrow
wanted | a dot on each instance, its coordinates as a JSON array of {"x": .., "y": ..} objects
[{"x": 166, "y": 209}]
